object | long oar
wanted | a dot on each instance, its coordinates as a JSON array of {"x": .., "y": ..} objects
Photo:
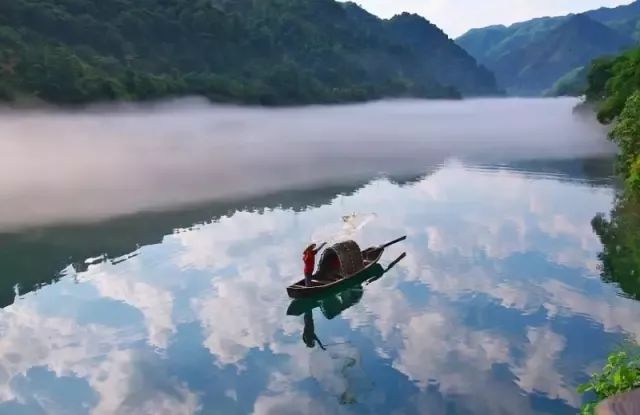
[
  {"x": 393, "y": 264},
  {"x": 395, "y": 241}
]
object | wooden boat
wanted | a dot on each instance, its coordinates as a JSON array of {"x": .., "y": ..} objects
[
  {"x": 338, "y": 265},
  {"x": 335, "y": 301}
]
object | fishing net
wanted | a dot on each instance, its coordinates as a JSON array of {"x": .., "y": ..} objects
[
  {"x": 348, "y": 229},
  {"x": 353, "y": 223},
  {"x": 339, "y": 371}
]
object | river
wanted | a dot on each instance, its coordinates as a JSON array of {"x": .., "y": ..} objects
[{"x": 154, "y": 282}]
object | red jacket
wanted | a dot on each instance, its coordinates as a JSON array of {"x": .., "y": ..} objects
[{"x": 309, "y": 258}]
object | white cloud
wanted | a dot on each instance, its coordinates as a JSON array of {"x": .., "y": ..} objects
[
  {"x": 499, "y": 227},
  {"x": 539, "y": 373},
  {"x": 616, "y": 314},
  {"x": 438, "y": 349},
  {"x": 431, "y": 338},
  {"x": 293, "y": 404},
  {"x": 460, "y": 243},
  {"x": 125, "y": 380},
  {"x": 235, "y": 316},
  {"x": 154, "y": 302},
  {"x": 127, "y": 383}
]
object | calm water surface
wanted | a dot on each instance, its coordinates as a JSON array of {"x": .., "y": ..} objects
[{"x": 497, "y": 308}]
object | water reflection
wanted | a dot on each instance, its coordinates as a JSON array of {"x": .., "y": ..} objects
[
  {"x": 620, "y": 239},
  {"x": 343, "y": 297},
  {"x": 56, "y": 247},
  {"x": 497, "y": 308}
]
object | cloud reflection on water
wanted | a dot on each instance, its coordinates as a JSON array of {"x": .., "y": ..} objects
[{"x": 479, "y": 317}]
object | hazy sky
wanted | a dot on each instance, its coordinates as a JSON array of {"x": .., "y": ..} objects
[{"x": 457, "y": 16}]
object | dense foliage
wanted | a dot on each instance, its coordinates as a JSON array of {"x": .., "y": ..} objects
[
  {"x": 262, "y": 52},
  {"x": 530, "y": 57},
  {"x": 620, "y": 374},
  {"x": 449, "y": 63},
  {"x": 614, "y": 85},
  {"x": 572, "y": 84},
  {"x": 614, "y": 88},
  {"x": 620, "y": 256}
]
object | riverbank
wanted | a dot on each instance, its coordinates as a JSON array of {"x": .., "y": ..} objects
[
  {"x": 614, "y": 92},
  {"x": 245, "y": 93}
]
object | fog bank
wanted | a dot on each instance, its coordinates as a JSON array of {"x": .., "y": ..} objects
[{"x": 106, "y": 161}]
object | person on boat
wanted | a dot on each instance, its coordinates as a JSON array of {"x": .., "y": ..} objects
[
  {"x": 309, "y": 333},
  {"x": 309, "y": 259}
]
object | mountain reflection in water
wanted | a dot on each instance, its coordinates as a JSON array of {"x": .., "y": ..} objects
[{"x": 186, "y": 311}]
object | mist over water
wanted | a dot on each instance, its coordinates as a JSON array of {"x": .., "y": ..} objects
[{"x": 58, "y": 166}]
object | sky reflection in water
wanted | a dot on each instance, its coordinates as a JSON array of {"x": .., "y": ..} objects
[{"x": 498, "y": 308}]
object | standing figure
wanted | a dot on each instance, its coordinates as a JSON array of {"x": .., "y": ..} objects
[
  {"x": 309, "y": 259},
  {"x": 309, "y": 333}
]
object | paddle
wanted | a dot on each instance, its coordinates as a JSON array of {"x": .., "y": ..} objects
[
  {"x": 395, "y": 241},
  {"x": 393, "y": 264}
]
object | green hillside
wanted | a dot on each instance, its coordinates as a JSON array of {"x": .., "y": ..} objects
[
  {"x": 614, "y": 88},
  {"x": 518, "y": 52},
  {"x": 491, "y": 43},
  {"x": 577, "y": 41},
  {"x": 270, "y": 52},
  {"x": 449, "y": 64},
  {"x": 572, "y": 84}
]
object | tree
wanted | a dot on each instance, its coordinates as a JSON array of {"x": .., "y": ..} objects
[{"x": 271, "y": 52}]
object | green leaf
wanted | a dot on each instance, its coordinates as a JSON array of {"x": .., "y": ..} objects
[
  {"x": 617, "y": 378},
  {"x": 585, "y": 387}
]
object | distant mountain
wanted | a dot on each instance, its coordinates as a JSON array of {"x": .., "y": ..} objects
[
  {"x": 609, "y": 15},
  {"x": 438, "y": 55},
  {"x": 490, "y": 43},
  {"x": 269, "y": 52},
  {"x": 528, "y": 58},
  {"x": 444, "y": 59},
  {"x": 571, "y": 84},
  {"x": 578, "y": 40}
]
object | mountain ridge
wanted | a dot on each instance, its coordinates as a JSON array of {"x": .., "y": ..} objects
[
  {"x": 457, "y": 68},
  {"x": 508, "y": 50},
  {"x": 267, "y": 52},
  {"x": 600, "y": 14}
]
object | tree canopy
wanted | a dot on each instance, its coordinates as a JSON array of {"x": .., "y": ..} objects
[
  {"x": 270, "y": 52},
  {"x": 614, "y": 86}
]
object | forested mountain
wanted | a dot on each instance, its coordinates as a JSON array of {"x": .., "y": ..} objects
[
  {"x": 436, "y": 53},
  {"x": 528, "y": 58},
  {"x": 622, "y": 18},
  {"x": 572, "y": 84},
  {"x": 271, "y": 52},
  {"x": 577, "y": 41},
  {"x": 449, "y": 63}
]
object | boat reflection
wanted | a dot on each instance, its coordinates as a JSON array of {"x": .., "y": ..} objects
[
  {"x": 336, "y": 302},
  {"x": 337, "y": 369}
]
